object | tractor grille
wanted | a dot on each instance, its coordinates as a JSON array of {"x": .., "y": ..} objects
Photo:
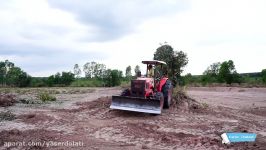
[{"x": 138, "y": 88}]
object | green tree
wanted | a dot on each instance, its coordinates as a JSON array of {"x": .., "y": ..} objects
[
  {"x": 128, "y": 72},
  {"x": 263, "y": 74},
  {"x": 67, "y": 78},
  {"x": 227, "y": 73},
  {"x": 94, "y": 69},
  {"x": 61, "y": 79},
  {"x": 2, "y": 72},
  {"x": 88, "y": 69},
  {"x": 57, "y": 78},
  {"x": 4, "y": 68},
  {"x": 77, "y": 71},
  {"x": 176, "y": 60},
  {"x": 113, "y": 77},
  {"x": 98, "y": 70},
  {"x": 16, "y": 77},
  {"x": 50, "y": 80},
  {"x": 213, "y": 70},
  {"x": 210, "y": 75},
  {"x": 137, "y": 69}
]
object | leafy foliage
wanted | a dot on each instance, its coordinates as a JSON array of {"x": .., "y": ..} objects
[
  {"x": 77, "y": 71},
  {"x": 11, "y": 75},
  {"x": 137, "y": 69},
  {"x": 38, "y": 82},
  {"x": 227, "y": 73},
  {"x": 210, "y": 75},
  {"x": 224, "y": 72},
  {"x": 113, "y": 77},
  {"x": 46, "y": 97},
  {"x": 191, "y": 79},
  {"x": 176, "y": 61},
  {"x": 94, "y": 69},
  {"x": 16, "y": 77},
  {"x": 63, "y": 79},
  {"x": 128, "y": 72},
  {"x": 263, "y": 74}
]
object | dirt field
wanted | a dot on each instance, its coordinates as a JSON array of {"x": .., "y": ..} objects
[{"x": 81, "y": 119}]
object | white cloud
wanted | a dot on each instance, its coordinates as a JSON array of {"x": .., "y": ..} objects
[{"x": 39, "y": 34}]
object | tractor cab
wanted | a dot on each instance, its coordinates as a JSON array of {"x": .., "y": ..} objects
[
  {"x": 155, "y": 70},
  {"x": 154, "y": 65}
]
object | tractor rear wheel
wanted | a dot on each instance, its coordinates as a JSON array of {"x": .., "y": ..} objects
[{"x": 167, "y": 90}]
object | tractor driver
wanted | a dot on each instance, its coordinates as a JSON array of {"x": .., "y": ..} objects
[{"x": 150, "y": 71}]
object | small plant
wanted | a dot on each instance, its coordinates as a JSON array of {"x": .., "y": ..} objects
[
  {"x": 46, "y": 97},
  {"x": 7, "y": 116},
  {"x": 204, "y": 105},
  {"x": 29, "y": 101}
]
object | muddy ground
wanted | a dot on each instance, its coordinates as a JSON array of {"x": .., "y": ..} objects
[{"x": 81, "y": 119}]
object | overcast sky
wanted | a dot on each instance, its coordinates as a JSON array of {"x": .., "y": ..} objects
[{"x": 48, "y": 36}]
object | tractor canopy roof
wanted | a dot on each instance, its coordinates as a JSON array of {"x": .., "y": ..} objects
[{"x": 154, "y": 62}]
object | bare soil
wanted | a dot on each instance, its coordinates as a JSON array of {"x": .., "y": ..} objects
[{"x": 85, "y": 117}]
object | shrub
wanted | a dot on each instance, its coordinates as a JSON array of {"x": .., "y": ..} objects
[
  {"x": 46, "y": 97},
  {"x": 263, "y": 73},
  {"x": 29, "y": 101},
  {"x": 7, "y": 116},
  {"x": 204, "y": 105}
]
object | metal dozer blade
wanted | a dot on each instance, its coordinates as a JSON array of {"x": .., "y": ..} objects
[{"x": 136, "y": 104}]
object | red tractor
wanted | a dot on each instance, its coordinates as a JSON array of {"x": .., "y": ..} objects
[{"x": 149, "y": 94}]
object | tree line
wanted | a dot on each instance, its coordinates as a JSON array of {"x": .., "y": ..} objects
[
  {"x": 13, "y": 76},
  {"x": 97, "y": 74},
  {"x": 225, "y": 72}
]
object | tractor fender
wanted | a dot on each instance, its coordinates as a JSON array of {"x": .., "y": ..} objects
[{"x": 162, "y": 82}]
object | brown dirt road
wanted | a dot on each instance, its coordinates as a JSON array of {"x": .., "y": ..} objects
[{"x": 84, "y": 121}]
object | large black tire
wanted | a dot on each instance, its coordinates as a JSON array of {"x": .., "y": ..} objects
[{"x": 167, "y": 90}]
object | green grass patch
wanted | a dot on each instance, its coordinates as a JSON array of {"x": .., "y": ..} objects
[
  {"x": 45, "y": 97},
  {"x": 87, "y": 83}
]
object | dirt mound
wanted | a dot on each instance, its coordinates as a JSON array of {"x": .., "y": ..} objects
[
  {"x": 100, "y": 103},
  {"x": 35, "y": 118},
  {"x": 183, "y": 102},
  {"x": 7, "y": 100}
]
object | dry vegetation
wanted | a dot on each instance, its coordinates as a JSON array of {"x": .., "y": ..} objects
[{"x": 7, "y": 100}]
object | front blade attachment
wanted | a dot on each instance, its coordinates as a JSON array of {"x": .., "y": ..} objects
[{"x": 136, "y": 104}]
